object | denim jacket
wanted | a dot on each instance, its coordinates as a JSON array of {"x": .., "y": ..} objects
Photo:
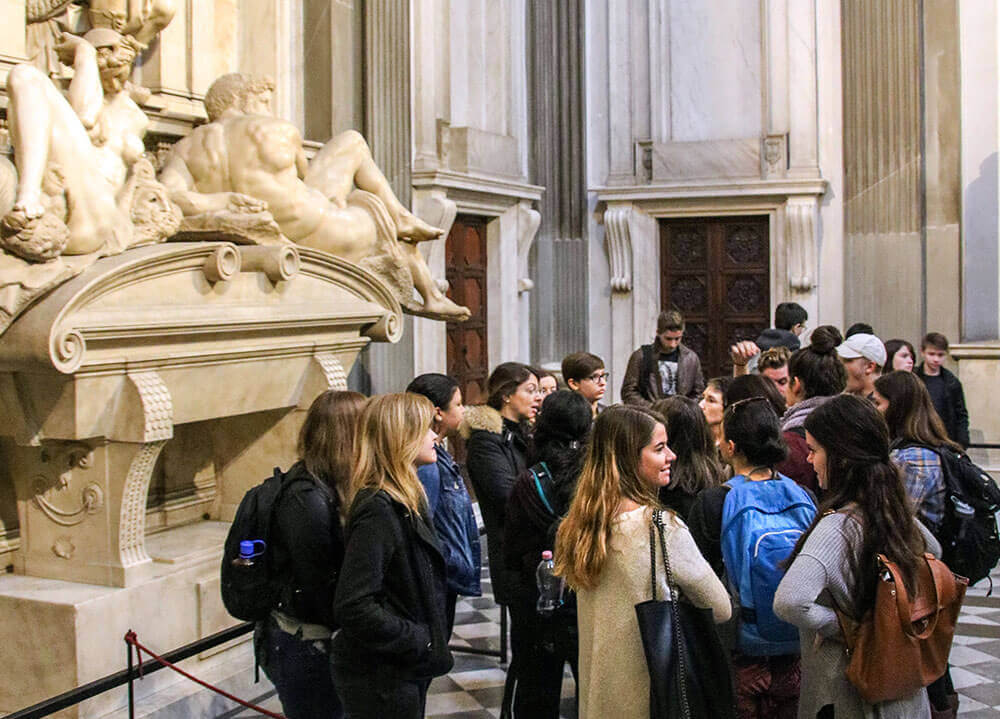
[{"x": 455, "y": 523}]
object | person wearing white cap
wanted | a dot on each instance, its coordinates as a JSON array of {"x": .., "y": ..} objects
[{"x": 863, "y": 356}]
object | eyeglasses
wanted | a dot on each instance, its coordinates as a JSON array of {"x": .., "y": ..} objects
[{"x": 600, "y": 377}]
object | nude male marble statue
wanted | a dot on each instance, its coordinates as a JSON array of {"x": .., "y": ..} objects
[{"x": 246, "y": 160}]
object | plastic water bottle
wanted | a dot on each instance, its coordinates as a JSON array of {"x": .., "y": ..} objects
[
  {"x": 550, "y": 587},
  {"x": 249, "y": 552}
]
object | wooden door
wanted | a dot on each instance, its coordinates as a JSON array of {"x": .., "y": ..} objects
[
  {"x": 716, "y": 270},
  {"x": 468, "y": 361}
]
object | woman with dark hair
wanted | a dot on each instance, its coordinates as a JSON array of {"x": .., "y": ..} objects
[
  {"x": 833, "y": 566},
  {"x": 755, "y": 385},
  {"x": 713, "y": 404},
  {"x": 899, "y": 355},
  {"x": 496, "y": 446},
  {"x": 757, "y": 506},
  {"x": 603, "y": 552},
  {"x": 916, "y": 432},
  {"x": 447, "y": 497},
  {"x": 293, "y": 644},
  {"x": 542, "y": 645},
  {"x": 547, "y": 382},
  {"x": 815, "y": 375},
  {"x": 696, "y": 466}
]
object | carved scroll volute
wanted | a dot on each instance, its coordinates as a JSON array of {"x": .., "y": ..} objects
[
  {"x": 53, "y": 493},
  {"x": 528, "y": 220},
  {"x": 619, "y": 243},
  {"x": 800, "y": 240}
]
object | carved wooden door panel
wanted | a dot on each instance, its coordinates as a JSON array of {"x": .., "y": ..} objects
[
  {"x": 716, "y": 272},
  {"x": 468, "y": 362}
]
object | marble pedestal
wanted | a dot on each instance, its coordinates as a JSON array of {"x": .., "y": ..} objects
[{"x": 234, "y": 341}]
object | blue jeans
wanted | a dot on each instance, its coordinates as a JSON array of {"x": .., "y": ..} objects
[{"x": 300, "y": 671}]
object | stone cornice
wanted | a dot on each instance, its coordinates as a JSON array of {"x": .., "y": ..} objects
[
  {"x": 699, "y": 190},
  {"x": 987, "y": 350},
  {"x": 476, "y": 183},
  {"x": 108, "y": 317}
]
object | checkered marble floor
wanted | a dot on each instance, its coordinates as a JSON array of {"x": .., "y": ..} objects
[{"x": 474, "y": 688}]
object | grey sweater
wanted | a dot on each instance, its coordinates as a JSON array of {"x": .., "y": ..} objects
[{"x": 817, "y": 581}]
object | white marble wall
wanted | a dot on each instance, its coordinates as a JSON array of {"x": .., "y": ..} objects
[
  {"x": 715, "y": 69},
  {"x": 704, "y": 109}
]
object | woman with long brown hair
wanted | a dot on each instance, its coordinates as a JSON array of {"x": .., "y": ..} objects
[
  {"x": 917, "y": 435},
  {"x": 696, "y": 466},
  {"x": 293, "y": 644},
  {"x": 916, "y": 431},
  {"x": 391, "y": 595},
  {"x": 602, "y": 550},
  {"x": 833, "y": 566}
]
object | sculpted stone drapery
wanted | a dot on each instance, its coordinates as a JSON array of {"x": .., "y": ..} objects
[{"x": 245, "y": 161}]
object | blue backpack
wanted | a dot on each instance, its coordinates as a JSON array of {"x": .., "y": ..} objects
[{"x": 761, "y": 522}]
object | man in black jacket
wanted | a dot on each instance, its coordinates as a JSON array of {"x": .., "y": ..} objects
[{"x": 944, "y": 387}]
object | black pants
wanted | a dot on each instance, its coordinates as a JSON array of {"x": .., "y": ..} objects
[
  {"x": 540, "y": 648},
  {"x": 300, "y": 672},
  {"x": 368, "y": 693}
]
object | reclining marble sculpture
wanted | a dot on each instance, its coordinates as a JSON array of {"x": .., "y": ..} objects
[
  {"x": 247, "y": 161},
  {"x": 81, "y": 187}
]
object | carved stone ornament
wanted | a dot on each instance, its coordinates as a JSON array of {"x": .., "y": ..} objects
[
  {"x": 616, "y": 231},
  {"x": 800, "y": 238},
  {"x": 343, "y": 205},
  {"x": 51, "y": 492}
]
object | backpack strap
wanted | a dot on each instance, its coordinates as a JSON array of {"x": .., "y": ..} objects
[{"x": 542, "y": 473}]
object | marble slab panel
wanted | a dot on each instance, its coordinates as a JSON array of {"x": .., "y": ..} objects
[{"x": 719, "y": 159}]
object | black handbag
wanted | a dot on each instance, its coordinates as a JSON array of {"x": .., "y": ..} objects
[{"x": 689, "y": 676}]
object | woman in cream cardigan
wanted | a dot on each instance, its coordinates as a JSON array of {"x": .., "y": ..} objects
[{"x": 602, "y": 550}]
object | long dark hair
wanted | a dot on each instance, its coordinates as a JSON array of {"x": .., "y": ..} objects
[
  {"x": 753, "y": 427},
  {"x": 326, "y": 439},
  {"x": 504, "y": 381},
  {"x": 860, "y": 473},
  {"x": 688, "y": 436},
  {"x": 817, "y": 366},
  {"x": 560, "y": 438},
  {"x": 438, "y": 388},
  {"x": 911, "y": 416},
  {"x": 894, "y": 346},
  {"x": 753, "y": 385}
]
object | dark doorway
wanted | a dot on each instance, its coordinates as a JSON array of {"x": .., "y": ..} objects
[
  {"x": 715, "y": 270},
  {"x": 468, "y": 360}
]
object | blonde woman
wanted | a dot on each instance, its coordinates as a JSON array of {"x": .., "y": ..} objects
[
  {"x": 391, "y": 595},
  {"x": 602, "y": 550}
]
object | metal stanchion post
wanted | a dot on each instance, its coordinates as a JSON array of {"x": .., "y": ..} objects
[{"x": 131, "y": 679}]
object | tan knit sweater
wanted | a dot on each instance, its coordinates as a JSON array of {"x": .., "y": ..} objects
[{"x": 613, "y": 679}]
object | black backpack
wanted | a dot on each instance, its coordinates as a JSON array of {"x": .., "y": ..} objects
[
  {"x": 251, "y": 592},
  {"x": 968, "y": 532}
]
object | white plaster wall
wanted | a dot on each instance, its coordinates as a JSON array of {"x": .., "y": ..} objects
[{"x": 715, "y": 70}]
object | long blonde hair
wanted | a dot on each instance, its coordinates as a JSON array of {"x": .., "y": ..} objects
[
  {"x": 391, "y": 431},
  {"x": 610, "y": 474}
]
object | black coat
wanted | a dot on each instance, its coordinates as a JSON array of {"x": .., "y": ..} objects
[
  {"x": 495, "y": 458},
  {"x": 953, "y": 411},
  {"x": 391, "y": 597},
  {"x": 307, "y": 531}
]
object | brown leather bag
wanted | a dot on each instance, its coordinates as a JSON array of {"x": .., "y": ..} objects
[{"x": 902, "y": 645}]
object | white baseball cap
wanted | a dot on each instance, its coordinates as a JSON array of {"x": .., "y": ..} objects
[{"x": 863, "y": 345}]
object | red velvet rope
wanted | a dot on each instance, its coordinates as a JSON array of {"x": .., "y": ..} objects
[{"x": 132, "y": 639}]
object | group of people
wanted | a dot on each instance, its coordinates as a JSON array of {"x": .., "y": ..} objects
[{"x": 385, "y": 537}]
